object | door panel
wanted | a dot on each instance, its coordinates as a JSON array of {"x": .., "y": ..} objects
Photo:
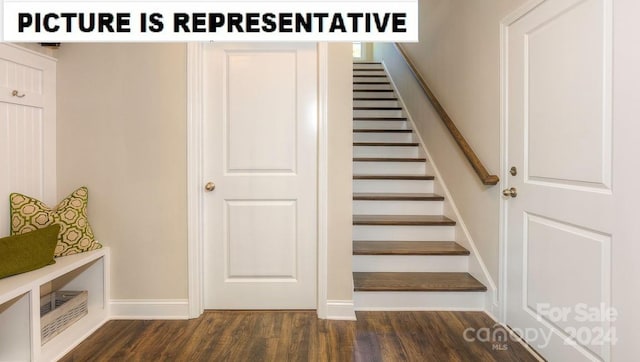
[
  {"x": 260, "y": 150},
  {"x": 564, "y": 67},
  {"x": 560, "y": 225},
  {"x": 252, "y": 114},
  {"x": 273, "y": 224}
]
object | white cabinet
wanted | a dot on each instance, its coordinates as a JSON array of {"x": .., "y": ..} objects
[
  {"x": 20, "y": 306},
  {"x": 27, "y": 127}
]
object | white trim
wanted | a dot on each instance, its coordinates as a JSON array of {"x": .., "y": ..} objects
[
  {"x": 195, "y": 210},
  {"x": 340, "y": 310},
  {"x": 420, "y": 309},
  {"x": 475, "y": 257},
  {"x": 420, "y": 301},
  {"x": 501, "y": 304},
  {"x": 195, "y": 193},
  {"x": 323, "y": 193},
  {"x": 520, "y": 12},
  {"x": 30, "y": 51},
  {"x": 517, "y": 338},
  {"x": 149, "y": 309}
]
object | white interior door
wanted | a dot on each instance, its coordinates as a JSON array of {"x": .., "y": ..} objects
[
  {"x": 260, "y": 109},
  {"x": 561, "y": 224}
]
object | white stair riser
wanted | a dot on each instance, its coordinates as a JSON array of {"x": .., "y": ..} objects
[
  {"x": 382, "y": 137},
  {"x": 369, "y": 72},
  {"x": 377, "y": 113},
  {"x": 380, "y": 125},
  {"x": 386, "y": 151},
  {"x": 419, "y": 301},
  {"x": 389, "y": 168},
  {"x": 410, "y": 263},
  {"x": 357, "y": 94},
  {"x": 403, "y": 232},
  {"x": 376, "y": 103},
  {"x": 368, "y": 66},
  {"x": 393, "y": 186},
  {"x": 377, "y": 207},
  {"x": 372, "y": 86},
  {"x": 359, "y": 78}
]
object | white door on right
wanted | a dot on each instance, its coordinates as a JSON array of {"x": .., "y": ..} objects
[{"x": 560, "y": 224}]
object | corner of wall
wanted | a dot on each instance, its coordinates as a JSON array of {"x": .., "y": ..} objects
[
  {"x": 339, "y": 180},
  {"x": 341, "y": 310}
]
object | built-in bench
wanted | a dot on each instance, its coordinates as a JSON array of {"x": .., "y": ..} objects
[{"x": 20, "y": 306}]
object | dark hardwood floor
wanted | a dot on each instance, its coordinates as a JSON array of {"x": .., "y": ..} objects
[{"x": 300, "y": 336}]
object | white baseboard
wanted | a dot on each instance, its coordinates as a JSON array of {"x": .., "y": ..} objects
[
  {"x": 341, "y": 310},
  {"x": 149, "y": 309}
]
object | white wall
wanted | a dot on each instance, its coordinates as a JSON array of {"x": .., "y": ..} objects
[
  {"x": 122, "y": 132},
  {"x": 459, "y": 57}
]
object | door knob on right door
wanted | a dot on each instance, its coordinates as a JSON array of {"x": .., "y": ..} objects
[{"x": 512, "y": 192}]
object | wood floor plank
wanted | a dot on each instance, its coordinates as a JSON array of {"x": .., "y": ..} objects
[
  {"x": 299, "y": 336},
  {"x": 362, "y": 247},
  {"x": 415, "y": 282}
]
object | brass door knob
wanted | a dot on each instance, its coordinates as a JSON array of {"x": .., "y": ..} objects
[
  {"x": 210, "y": 186},
  {"x": 512, "y": 192}
]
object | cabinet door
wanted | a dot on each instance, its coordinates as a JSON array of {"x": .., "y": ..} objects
[{"x": 27, "y": 127}]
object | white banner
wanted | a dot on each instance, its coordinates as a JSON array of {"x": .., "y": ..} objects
[{"x": 147, "y": 21}]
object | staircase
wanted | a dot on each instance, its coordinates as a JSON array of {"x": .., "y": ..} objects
[{"x": 404, "y": 252}]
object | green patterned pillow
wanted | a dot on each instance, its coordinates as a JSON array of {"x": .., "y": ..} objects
[{"x": 75, "y": 235}]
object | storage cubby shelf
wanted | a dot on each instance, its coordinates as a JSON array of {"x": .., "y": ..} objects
[{"x": 20, "y": 302}]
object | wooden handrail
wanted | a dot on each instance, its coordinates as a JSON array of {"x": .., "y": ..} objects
[{"x": 471, "y": 156}]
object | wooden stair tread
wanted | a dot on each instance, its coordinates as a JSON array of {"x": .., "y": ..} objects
[
  {"x": 387, "y": 144},
  {"x": 369, "y": 75},
  {"x": 395, "y": 196},
  {"x": 367, "y": 130},
  {"x": 374, "y": 99},
  {"x": 379, "y": 118},
  {"x": 416, "y": 282},
  {"x": 364, "y": 247},
  {"x": 373, "y": 90},
  {"x": 378, "y": 108},
  {"x": 377, "y": 83},
  {"x": 422, "y": 220},
  {"x": 389, "y": 159},
  {"x": 393, "y": 177}
]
